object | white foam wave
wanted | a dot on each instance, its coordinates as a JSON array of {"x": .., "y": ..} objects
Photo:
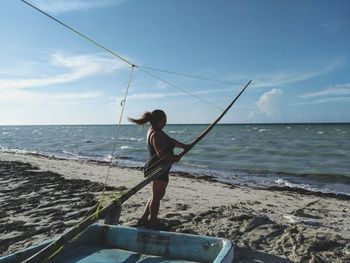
[
  {"x": 37, "y": 132},
  {"x": 70, "y": 153},
  {"x": 284, "y": 182},
  {"x": 195, "y": 165},
  {"x": 107, "y": 158},
  {"x": 175, "y": 131},
  {"x": 126, "y": 147},
  {"x": 17, "y": 151},
  {"x": 130, "y": 139}
]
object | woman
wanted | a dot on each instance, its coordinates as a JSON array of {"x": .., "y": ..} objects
[{"x": 161, "y": 150}]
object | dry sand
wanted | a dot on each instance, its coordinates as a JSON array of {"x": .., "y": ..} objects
[{"x": 41, "y": 197}]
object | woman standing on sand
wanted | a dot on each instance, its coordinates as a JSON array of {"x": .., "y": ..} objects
[{"x": 161, "y": 150}]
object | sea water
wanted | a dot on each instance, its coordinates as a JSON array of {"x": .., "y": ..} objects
[{"x": 310, "y": 156}]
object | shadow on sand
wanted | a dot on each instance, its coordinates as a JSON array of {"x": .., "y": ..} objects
[{"x": 247, "y": 255}]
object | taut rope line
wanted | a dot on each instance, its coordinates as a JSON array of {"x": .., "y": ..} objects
[
  {"x": 80, "y": 34},
  {"x": 120, "y": 57},
  {"x": 187, "y": 75},
  {"x": 142, "y": 68},
  {"x": 177, "y": 87},
  {"x": 116, "y": 136}
]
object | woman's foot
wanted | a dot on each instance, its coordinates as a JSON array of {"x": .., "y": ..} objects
[
  {"x": 143, "y": 222},
  {"x": 156, "y": 224}
]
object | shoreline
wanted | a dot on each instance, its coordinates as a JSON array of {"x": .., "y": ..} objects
[
  {"x": 196, "y": 175},
  {"x": 281, "y": 225}
]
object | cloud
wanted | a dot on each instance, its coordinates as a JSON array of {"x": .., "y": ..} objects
[
  {"x": 59, "y": 69},
  {"x": 269, "y": 103},
  {"x": 325, "y": 100},
  {"x": 334, "y": 90},
  {"x": 76, "y": 67},
  {"x": 332, "y": 27},
  {"x": 60, "y": 6},
  {"x": 162, "y": 85},
  {"x": 333, "y": 93},
  {"x": 279, "y": 79},
  {"x": 23, "y": 97}
]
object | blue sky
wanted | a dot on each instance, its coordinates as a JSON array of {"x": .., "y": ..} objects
[{"x": 296, "y": 53}]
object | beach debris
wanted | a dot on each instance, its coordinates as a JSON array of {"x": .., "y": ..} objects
[
  {"x": 255, "y": 222},
  {"x": 296, "y": 219},
  {"x": 180, "y": 206}
]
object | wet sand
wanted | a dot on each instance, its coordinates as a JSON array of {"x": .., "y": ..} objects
[{"x": 41, "y": 197}]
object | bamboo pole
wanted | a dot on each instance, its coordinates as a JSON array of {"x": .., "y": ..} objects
[
  {"x": 112, "y": 218},
  {"x": 52, "y": 248},
  {"x": 207, "y": 130}
]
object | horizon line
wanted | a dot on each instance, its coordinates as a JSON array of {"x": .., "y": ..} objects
[{"x": 129, "y": 124}]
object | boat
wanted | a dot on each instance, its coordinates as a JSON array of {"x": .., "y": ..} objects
[{"x": 104, "y": 243}]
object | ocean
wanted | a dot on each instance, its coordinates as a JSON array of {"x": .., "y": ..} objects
[{"x": 315, "y": 157}]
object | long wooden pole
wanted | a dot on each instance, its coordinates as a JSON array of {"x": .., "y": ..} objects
[
  {"x": 65, "y": 238},
  {"x": 211, "y": 126}
]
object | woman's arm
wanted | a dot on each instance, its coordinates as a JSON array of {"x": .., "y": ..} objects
[{"x": 180, "y": 144}]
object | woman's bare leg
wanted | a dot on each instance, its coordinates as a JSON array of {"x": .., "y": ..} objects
[
  {"x": 158, "y": 191},
  {"x": 146, "y": 212}
]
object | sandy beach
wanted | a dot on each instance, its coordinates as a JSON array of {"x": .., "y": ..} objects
[{"x": 41, "y": 197}]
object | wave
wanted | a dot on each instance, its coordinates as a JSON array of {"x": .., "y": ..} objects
[
  {"x": 126, "y": 147},
  {"x": 130, "y": 139},
  {"x": 71, "y": 153},
  {"x": 18, "y": 151},
  {"x": 253, "y": 177},
  {"x": 176, "y": 132},
  {"x": 284, "y": 182}
]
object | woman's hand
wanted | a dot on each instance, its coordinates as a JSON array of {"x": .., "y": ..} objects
[
  {"x": 176, "y": 158},
  {"x": 186, "y": 146}
]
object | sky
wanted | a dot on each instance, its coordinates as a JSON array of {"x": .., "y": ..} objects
[{"x": 295, "y": 52}]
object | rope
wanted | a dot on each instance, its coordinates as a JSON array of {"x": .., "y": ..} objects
[
  {"x": 80, "y": 34},
  {"x": 177, "y": 87},
  {"x": 142, "y": 68},
  {"x": 187, "y": 75},
  {"x": 120, "y": 57},
  {"x": 115, "y": 140}
]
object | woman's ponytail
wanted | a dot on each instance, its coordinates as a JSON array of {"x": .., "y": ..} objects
[
  {"x": 146, "y": 117},
  {"x": 152, "y": 117}
]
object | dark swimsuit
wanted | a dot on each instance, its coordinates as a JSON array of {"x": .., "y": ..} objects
[{"x": 154, "y": 161}]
